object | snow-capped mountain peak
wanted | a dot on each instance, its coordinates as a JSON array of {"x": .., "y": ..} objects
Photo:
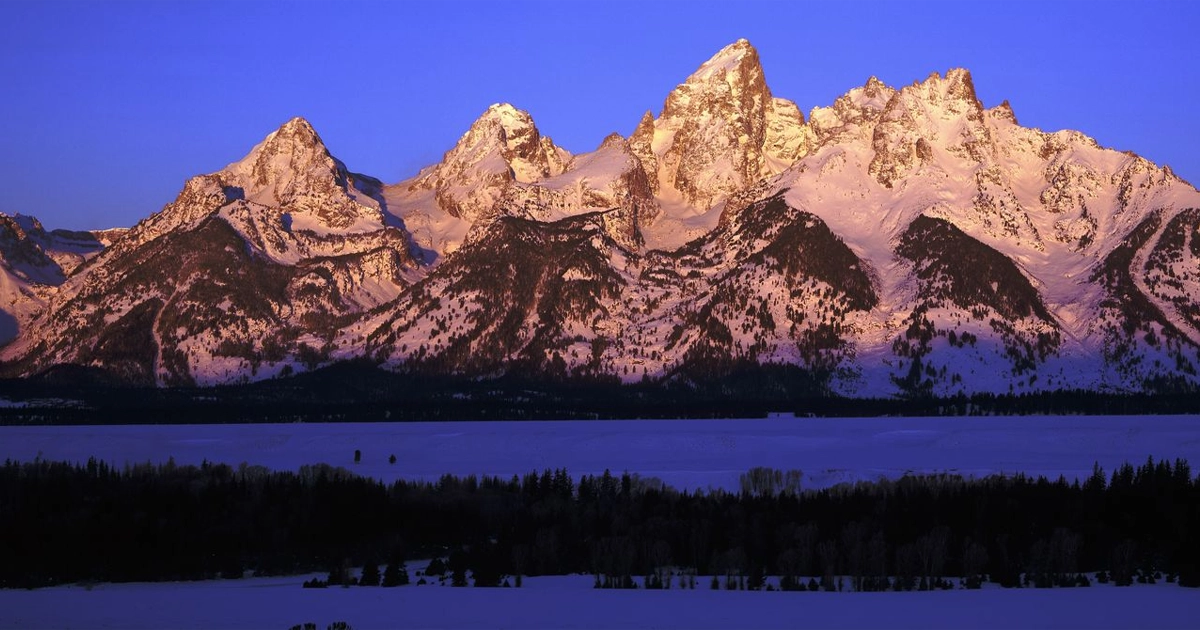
[
  {"x": 293, "y": 170},
  {"x": 720, "y": 131},
  {"x": 245, "y": 269},
  {"x": 502, "y": 147},
  {"x": 737, "y": 58},
  {"x": 709, "y": 137},
  {"x": 899, "y": 241},
  {"x": 292, "y": 149}
]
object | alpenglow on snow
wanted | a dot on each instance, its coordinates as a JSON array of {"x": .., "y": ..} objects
[{"x": 904, "y": 241}]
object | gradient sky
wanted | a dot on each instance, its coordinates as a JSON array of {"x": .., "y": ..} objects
[{"x": 108, "y": 107}]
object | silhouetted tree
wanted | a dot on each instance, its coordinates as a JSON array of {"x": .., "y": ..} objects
[
  {"x": 395, "y": 574},
  {"x": 370, "y": 575},
  {"x": 436, "y": 567}
]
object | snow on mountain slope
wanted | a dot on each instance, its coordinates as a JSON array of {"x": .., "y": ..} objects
[
  {"x": 720, "y": 131},
  {"x": 243, "y": 275},
  {"x": 1055, "y": 204},
  {"x": 67, "y": 249},
  {"x": 23, "y": 256},
  {"x": 902, "y": 241},
  {"x": 502, "y": 147},
  {"x": 609, "y": 178},
  {"x": 976, "y": 241},
  {"x": 522, "y": 295},
  {"x": 502, "y": 165},
  {"x": 33, "y": 262}
]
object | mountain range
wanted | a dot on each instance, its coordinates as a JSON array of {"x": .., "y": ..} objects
[{"x": 899, "y": 242}]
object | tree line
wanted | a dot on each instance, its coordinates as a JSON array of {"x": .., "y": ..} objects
[
  {"x": 361, "y": 392},
  {"x": 65, "y": 523}
]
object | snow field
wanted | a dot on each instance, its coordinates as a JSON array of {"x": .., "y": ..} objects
[
  {"x": 571, "y": 602},
  {"x": 690, "y": 454}
]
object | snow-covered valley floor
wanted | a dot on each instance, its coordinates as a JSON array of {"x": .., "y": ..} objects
[
  {"x": 571, "y": 602},
  {"x": 683, "y": 453}
]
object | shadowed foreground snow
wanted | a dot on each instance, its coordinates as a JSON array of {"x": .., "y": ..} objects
[
  {"x": 570, "y": 602},
  {"x": 686, "y": 454}
]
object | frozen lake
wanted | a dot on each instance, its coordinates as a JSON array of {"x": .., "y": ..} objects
[{"x": 683, "y": 453}]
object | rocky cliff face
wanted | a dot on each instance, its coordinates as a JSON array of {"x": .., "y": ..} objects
[
  {"x": 905, "y": 241},
  {"x": 721, "y": 130}
]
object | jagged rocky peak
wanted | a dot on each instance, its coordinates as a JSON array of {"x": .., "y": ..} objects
[
  {"x": 730, "y": 86},
  {"x": 873, "y": 87},
  {"x": 219, "y": 284},
  {"x": 19, "y": 253},
  {"x": 947, "y": 97},
  {"x": 940, "y": 111},
  {"x": 1004, "y": 111},
  {"x": 613, "y": 140},
  {"x": 39, "y": 256},
  {"x": 293, "y": 149},
  {"x": 528, "y": 154},
  {"x": 850, "y": 113},
  {"x": 293, "y": 170},
  {"x": 502, "y": 147},
  {"x": 288, "y": 181},
  {"x": 201, "y": 196},
  {"x": 721, "y": 130},
  {"x": 955, "y": 91},
  {"x": 960, "y": 85},
  {"x": 26, "y": 222},
  {"x": 735, "y": 66},
  {"x": 15, "y": 226}
]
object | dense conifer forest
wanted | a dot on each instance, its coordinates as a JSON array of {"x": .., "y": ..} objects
[
  {"x": 66, "y": 523},
  {"x": 359, "y": 392}
]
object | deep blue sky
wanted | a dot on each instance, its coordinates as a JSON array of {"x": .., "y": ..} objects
[{"x": 108, "y": 107}]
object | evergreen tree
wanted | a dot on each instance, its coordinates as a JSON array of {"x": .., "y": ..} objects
[
  {"x": 458, "y": 568},
  {"x": 233, "y": 569},
  {"x": 339, "y": 575},
  {"x": 436, "y": 567},
  {"x": 395, "y": 574},
  {"x": 370, "y": 575},
  {"x": 913, "y": 530}
]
